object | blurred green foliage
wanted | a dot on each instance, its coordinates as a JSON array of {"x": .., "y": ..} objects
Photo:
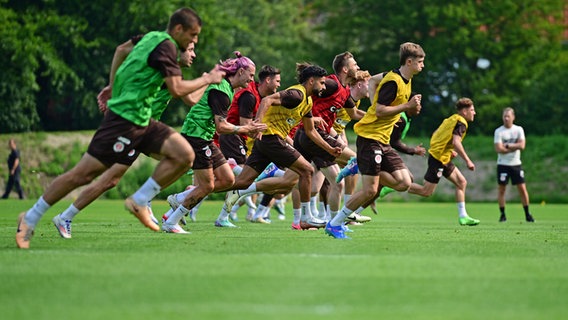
[{"x": 57, "y": 53}]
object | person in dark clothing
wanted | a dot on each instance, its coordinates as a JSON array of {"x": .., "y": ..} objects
[{"x": 14, "y": 171}]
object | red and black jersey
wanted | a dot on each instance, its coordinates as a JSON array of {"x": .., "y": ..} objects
[
  {"x": 329, "y": 103},
  {"x": 244, "y": 107}
]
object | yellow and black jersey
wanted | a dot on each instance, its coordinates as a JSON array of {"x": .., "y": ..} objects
[
  {"x": 380, "y": 129},
  {"x": 441, "y": 145},
  {"x": 280, "y": 120}
]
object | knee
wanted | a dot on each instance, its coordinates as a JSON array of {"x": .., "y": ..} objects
[
  {"x": 307, "y": 172},
  {"x": 183, "y": 157},
  {"x": 338, "y": 186},
  {"x": 186, "y": 158},
  {"x": 289, "y": 181},
  {"x": 111, "y": 183},
  {"x": 369, "y": 193},
  {"x": 222, "y": 183},
  {"x": 461, "y": 184}
]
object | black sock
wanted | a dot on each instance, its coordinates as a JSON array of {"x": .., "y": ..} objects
[
  {"x": 266, "y": 198},
  {"x": 502, "y": 209},
  {"x": 526, "y": 208}
]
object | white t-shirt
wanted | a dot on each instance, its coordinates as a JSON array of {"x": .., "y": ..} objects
[{"x": 509, "y": 135}]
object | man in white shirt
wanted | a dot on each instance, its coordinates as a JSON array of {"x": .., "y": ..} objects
[{"x": 509, "y": 141}]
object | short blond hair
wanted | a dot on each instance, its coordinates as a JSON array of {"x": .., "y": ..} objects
[{"x": 360, "y": 75}]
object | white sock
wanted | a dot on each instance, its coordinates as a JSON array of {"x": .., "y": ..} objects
[
  {"x": 175, "y": 217},
  {"x": 266, "y": 212},
  {"x": 168, "y": 213},
  {"x": 223, "y": 215},
  {"x": 313, "y": 204},
  {"x": 346, "y": 198},
  {"x": 359, "y": 210},
  {"x": 33, "y": 215},
  {"x": 339, "y": 219},
  {"x": 181, "y": 196},
  {"x": 259, "y": 213},
  {"x": 297, "y": 215},
  {"x": 279, "y": 173},
  {"x": 306, "y": 213},
  {"x": 250, "y": 190},
  {"x": 461, "y": 210},
  {"x": 237, "y": 170},
  {"x": 249, "y": 203},
  {"x": 322, "y": 208},
  {"x": 333, "y": 214},
  {"x": 69, "y": 213},
  {"x": 147, "y": 192},
  {"x": 235, "y": 208},
  {"x": 250, "y": 212}
]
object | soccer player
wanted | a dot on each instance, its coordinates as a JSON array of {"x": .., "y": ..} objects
[
  {"x": 446, "y": 140},
  {"x": 211, "y": 171},
  {"x": 243, "y": 110},
  {"x": 281, "y": 112},
  {"x": 110, "y": 178},
  {"x": 359, "y": 89},
  {"x": 398, "y": 134},
  {"x": 127, "y": 127},
  {"x": 509, "y": 141},
  {"x": 335, "y": 97},
  {"x": 377, "y": 160}
]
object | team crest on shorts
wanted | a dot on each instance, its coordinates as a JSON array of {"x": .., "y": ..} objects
[
  {"x": 243, "y": 152},
  {"x": 118, "y": 147},
  {"x": 131, "y": 152},
  {"x": 440, "y": 172},
  {"x": 378, "y": 156},
  {"x": 207, "y": 151}
]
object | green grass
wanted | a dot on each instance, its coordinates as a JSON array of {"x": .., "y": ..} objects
[{"x": 412, "y": 261}]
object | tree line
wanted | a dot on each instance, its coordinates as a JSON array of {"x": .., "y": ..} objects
[{"x": 57, "y": 53}]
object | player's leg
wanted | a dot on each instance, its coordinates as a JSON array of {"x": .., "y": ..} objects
[
  {"x": 84, "y": 172},
  {"x": 108, "y": 180},
  {"x": 459, "y": 181}
]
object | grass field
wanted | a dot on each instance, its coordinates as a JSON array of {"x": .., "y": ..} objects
[{"x": 413, "y": 261}]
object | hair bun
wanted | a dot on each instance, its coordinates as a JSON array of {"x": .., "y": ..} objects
[{"x": 238, "y": 54}]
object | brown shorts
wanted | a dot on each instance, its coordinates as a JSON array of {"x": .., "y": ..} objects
[
  {"x": 436, "y": 170},
  {"x": 233, "y": 146},
  {"x": 207, "y": 154},
  {"x": 272, "y": 148},
  {"x": 312, "y": 152},
  {"x": 118, "y": 140},
  {"x": 374, "y": 157}
]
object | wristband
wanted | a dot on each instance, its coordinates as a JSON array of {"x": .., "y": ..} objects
[{"x": 236, "y": 129}]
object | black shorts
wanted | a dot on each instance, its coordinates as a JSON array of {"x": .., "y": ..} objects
[
  {"x": 207, "y": 154},
  {"x": 272, "y": 148},
  {"x": 436, "y": 170},
  {"x": 374, "y": 157},
  {"x": 515, "y": 173},
  {"x": 118, "y": 140},
  {"x": 233, "y": 146},
  {"x": 312, "y": 152}
]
